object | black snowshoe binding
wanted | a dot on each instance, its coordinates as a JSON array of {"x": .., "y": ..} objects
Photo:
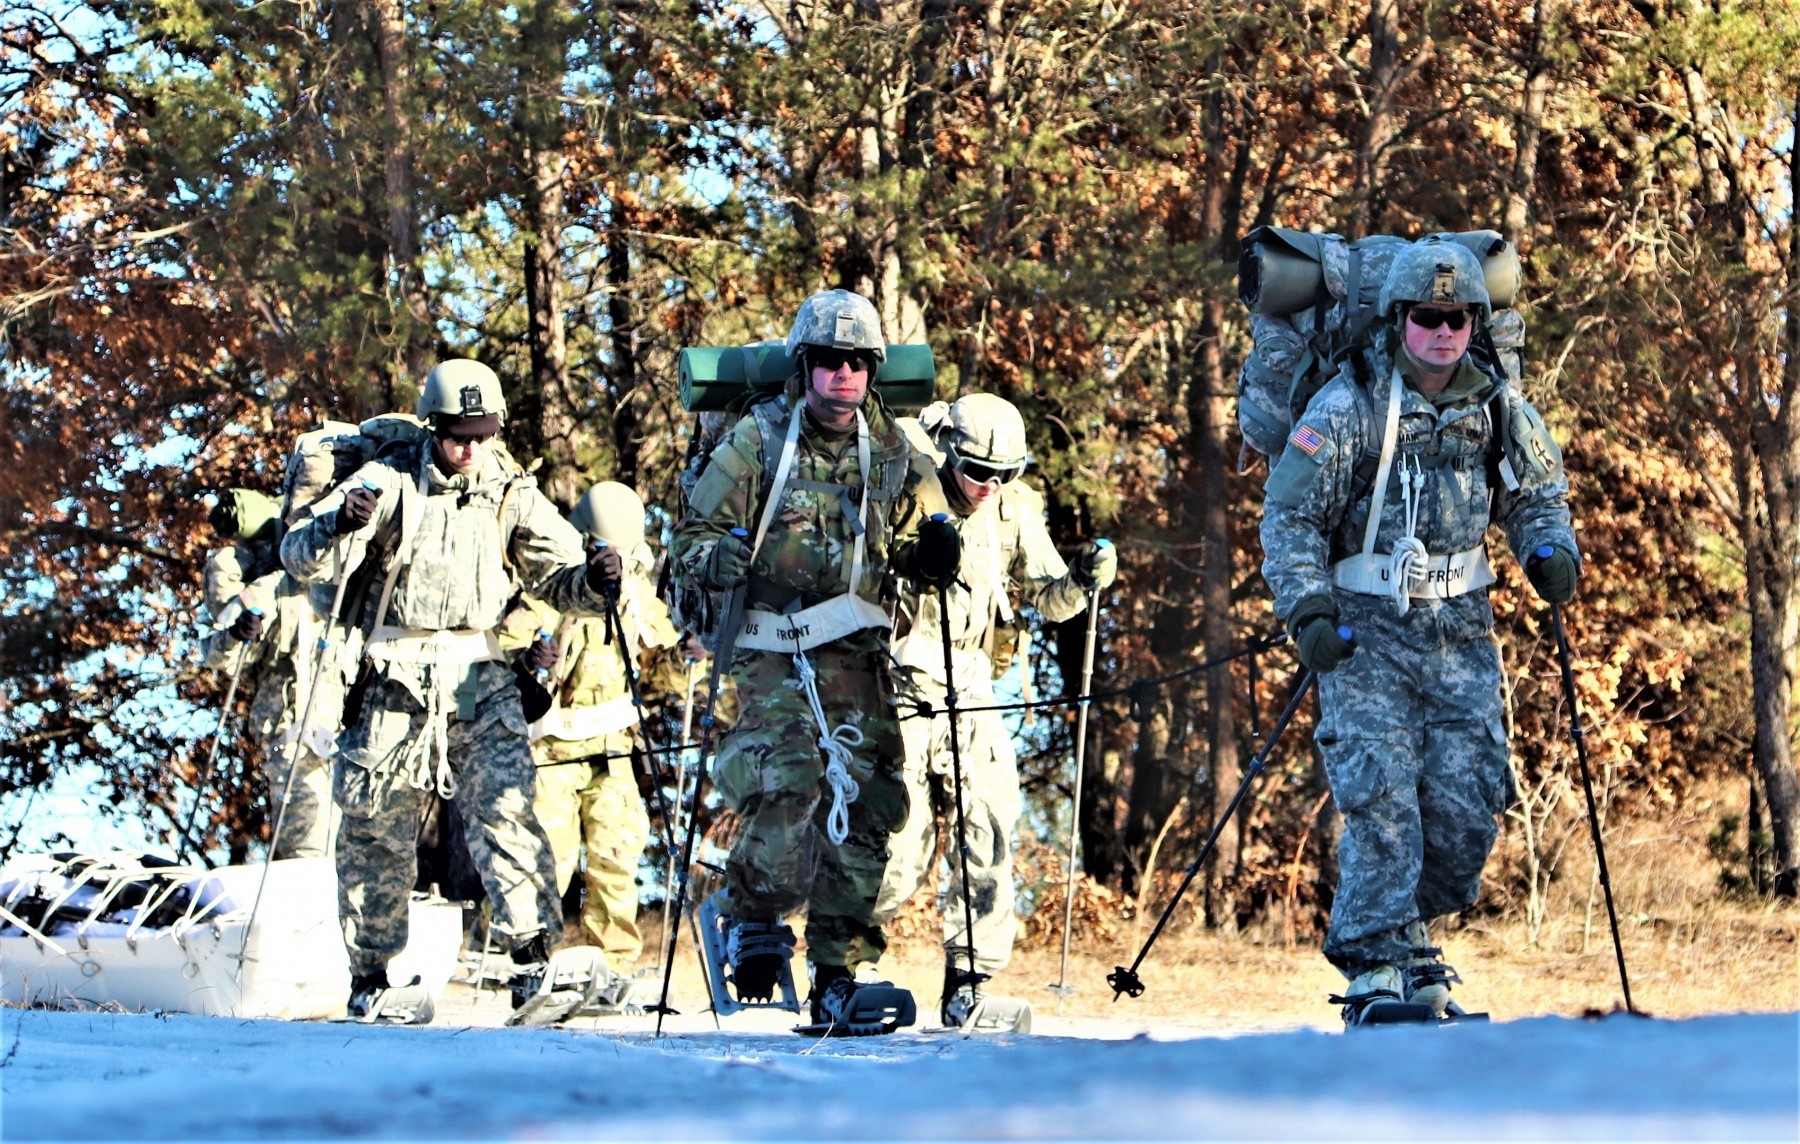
[
  {"x": 550, "y": 988},
  {"x": 845, "y": 1007},
  {"x": 374, "y": 1002},
  {"x": 749, "y": 963},
  {"x": 966, "y": 1009}
]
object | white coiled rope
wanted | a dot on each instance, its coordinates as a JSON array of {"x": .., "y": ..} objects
[
  {"x": 428, "y": 758},
  {"x": 836, "y": 742},
  {"x": 1410, "y": 558}
]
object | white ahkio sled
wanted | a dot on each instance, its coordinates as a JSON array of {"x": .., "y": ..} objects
[{"x": 127, "y": 931}]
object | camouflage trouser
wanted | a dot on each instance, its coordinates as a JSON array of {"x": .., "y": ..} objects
[
  {"x": 771, "y": 772},
  {"x": 991, "y": 808},
  {"x": 377, "y": 858},
  {"x": 584, "y": 806},
  {"x": 306, "y": 823},
  {"x": 1414, "y": 744}
]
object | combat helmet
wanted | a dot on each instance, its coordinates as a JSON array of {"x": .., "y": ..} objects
[
  {"x": 462, "y": 397},
  {"x": 837, "y": 319},
  {"x": 1435, "y": 271},
  {"x": 981, "y": 434},
  {"x": 611, "y": 512}
]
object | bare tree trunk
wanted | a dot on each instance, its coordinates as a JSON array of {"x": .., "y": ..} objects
[
  {"x": 413, "y": 353},
  {"x": 545, "y": 167},
  {"x": 1378, "y": 123},
  {"x": 1528, "y": 126},
  {"x": 1208, "y": 404}
]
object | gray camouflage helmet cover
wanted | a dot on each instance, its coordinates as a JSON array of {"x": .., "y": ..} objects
[
  {"x": 981, "y": 427},
  {"x": 839, "y": 319},
  {"x": 461, "y": 388},
  {"x": 1435, "y": 271},
  {"x": 611, "y": 512}
]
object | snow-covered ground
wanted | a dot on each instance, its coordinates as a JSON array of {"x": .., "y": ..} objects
[{"x": 118, "y": 1077}]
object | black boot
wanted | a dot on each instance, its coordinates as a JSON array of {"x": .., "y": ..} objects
[
  {"x": 529, "y": 960},
  {"x": 364, "y": 989},
  {"x": 824, "y": 977}
]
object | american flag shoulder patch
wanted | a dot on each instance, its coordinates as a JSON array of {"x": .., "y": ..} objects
[{"x": 1307, "y": 440}]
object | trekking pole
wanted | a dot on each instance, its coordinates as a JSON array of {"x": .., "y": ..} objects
[
  {"x": 1579, "y": 734},
  {"x": 212, "y": 753},
  {"x": 341, "y": 581},
  {"x": 687, "y": 729},
  {"x": 1062, "y": 988},
  {"x": 616, "y": 630},
  {"x": 728, "y": 632},
  {"x": 1125, "y": 980},
  {"x": 974, "y": 976}
]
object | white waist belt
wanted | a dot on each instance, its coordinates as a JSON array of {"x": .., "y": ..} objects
[
  {"x": 578, "y": 724},
  {"x": 810, "y": 627},
  {"x": 1438, "y": 578},
  {"x": 391, "y": 644}
]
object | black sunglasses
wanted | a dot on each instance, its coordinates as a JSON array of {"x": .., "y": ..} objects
[
  {"x": 1432, "y": 319},
  {"x": 981, "y": 473},
  {"x": 833, "y": 359}
]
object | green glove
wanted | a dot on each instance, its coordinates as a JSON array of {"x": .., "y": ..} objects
[
  {"x": 729, "y": 563},
  {"x": 1314, "y": 630},
  {"x": 1552, "y": 571},
  {"x": 1098, "y": 565}
]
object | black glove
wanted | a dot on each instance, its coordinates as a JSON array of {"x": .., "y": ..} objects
[
  {"x": 729, "y": 563},
  {"x": 605, "y": 569},
  {"x": 357, "y": 510},
  {"x": 1314, "y": 629},
  {"x": 533, "y": 696},
  {"x": 938, "y": 552},
  {"x": 1553, "y": 572},
  {"x": 248, "y": 627},
  {"x": 1097, "y": 566}
]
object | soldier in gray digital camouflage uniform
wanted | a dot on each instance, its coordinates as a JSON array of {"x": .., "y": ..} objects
[
  {"x": 1390, "y": 478},
  {"x": 266, "y": 627},
  {"x": 438, "y": 529},
  {"x": 830, "y": 501},
  {"x": 1005, "y": 549}
]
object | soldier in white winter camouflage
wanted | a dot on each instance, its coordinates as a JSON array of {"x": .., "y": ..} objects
[
  {"x": 433, "y": 533},
  {"x": 1375, "y": 519},
  {"x": 1006, "y": 550}
]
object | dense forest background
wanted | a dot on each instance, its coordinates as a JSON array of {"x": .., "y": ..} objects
[{"x": 224, "y": 221}]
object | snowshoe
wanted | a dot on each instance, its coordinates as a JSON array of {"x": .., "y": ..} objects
[
  {"x": 627, "y": 995},
  {"x": 966, "y": 1009},
  {"x": 845, "y": 1007},
  {"x": 374, "y": 1002},
  {"x": 557, "y": 989},
  {"x": 749, "y": 963},
  {"x": 1378, "y": 997}
]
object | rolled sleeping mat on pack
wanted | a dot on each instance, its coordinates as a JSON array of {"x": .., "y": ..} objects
[
  {"x": 713, "y": 378},
  {"x": 1281, "y": 271}
]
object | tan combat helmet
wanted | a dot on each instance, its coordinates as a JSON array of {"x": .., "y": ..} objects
[
  {"x": 611, "y": 512},
  {"x": 986, "y": 429},
  {"x": 1435, "y": 271},
  {"x": 462, "y": 391},
  {"x": 840, "y": 320}
]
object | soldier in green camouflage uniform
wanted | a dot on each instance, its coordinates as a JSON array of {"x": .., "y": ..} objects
[
  {"x": 587, "y": 795},
  {"x": 433, "y": 534},
  {"x": 801, "y": 558},
  {"x": 1433, "y": 444},
  {"x": 1005, "y": 549},
  {"x": 266, "y": 626}
]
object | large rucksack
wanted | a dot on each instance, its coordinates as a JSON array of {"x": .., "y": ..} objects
[
  {"x": 1312, "y": 302},
  {"x": 322, "y": 458}
]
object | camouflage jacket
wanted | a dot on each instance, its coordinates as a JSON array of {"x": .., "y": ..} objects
[
  {"x": 806, "y": 556},
  {"x": 1006, "y": 551},
  {"x": 589, "y": 671},
  {"x": 241, "y": 576},
  {"x": 1319, "y": 493},
  {"x": 472, "y": 537}
]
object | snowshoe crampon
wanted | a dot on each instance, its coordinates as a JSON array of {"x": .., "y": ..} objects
[
  {"x": 409, "y": 1004},
  {"x": 861, "y": 1009},
  {"x": 987, "y": 1015},
  {"x": 569, "y": 982},
  {"x": 719, "y": 933}
]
